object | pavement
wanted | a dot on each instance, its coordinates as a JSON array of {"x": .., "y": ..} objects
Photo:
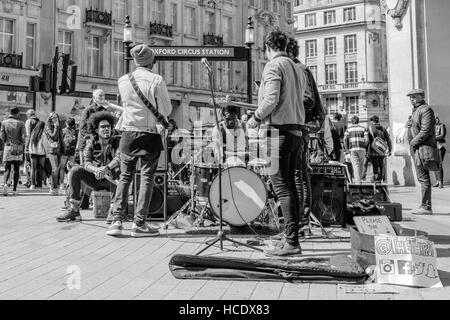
[{"x": 43, "y": 259}]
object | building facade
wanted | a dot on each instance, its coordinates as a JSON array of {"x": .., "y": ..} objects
[
  {"x": 344, "y": 44},
  {"x": 92, "y": 32}
]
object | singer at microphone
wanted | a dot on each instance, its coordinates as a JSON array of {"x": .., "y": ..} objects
[{"x": 206, "y": 64}]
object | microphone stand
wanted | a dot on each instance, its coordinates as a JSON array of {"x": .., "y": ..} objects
[{"x": 221, "y": 236}]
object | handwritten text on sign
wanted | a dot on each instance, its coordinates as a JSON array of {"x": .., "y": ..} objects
[
  {"x": 408, "y": 261},
  {"x": 374, "y": 225}
]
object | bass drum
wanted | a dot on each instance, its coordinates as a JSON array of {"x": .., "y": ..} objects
[{"x": 244, "y": 196}]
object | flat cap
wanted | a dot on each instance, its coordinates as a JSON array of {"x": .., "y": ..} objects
[{"x": 415, "y": 91}]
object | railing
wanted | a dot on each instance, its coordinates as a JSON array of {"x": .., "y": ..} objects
[
  {"x": 212, "y": 40},
  {"x": 161, "y": 29},
  {"x": 11, "y": 60},
  {"x": 98, "y": 16}
]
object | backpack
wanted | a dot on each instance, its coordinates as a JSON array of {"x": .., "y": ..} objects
[
  {"x": 69, "y": 141},
  {"x": 379, "y": 145}
]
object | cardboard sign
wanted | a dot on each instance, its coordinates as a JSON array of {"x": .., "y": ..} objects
[
  {"x": 374, "y": 225},
  {"x": 408, "y": 261}
]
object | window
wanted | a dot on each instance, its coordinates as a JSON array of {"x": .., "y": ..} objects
[
  {"x": 120, "y": 9},
  {"x": 210, "y": 22},
  {"x": 275, "y": 6},
  {"x": 252, "y": 3},
  {"x": 331, "y": 104},
  {"x": 118, "y": 59},
  {"x": 310, "y": 20},
  {"x": 288, "y": 9},
  {"x": 351, "y": 72},
  {"x": 228, "y": 32},
  {"x": 66, "y": 4},
  {"x": 329, "y": 17},
  {"x": 174, "y": 13},
  {"x": 96, "y": 4},
  {"x": 190, "y": 21},
  {"x": 351, "y": 105},
  {"x": 350, "y": 43},
  {"x": 173, "y": 73},
  {"x": 189, "y": 74},
  {"x": 349, "y": 14},
  {"x": 30, "y": 53},
  {"x": 226, "y": 76},
  {"x": 330, "y": 46},
  {"x": 330, "y": 74},
  {"x": 140, "y": 12},
  {"x": 313, "y": 70},
  {"x": 265, "y": 4},
  {"x": 158, "y": 11},
  {"x": 65, "y": 41},
  {"x": 311, "y": 48},
  {"x": 93, "y": 56},
  {"x": 6, "y": 35}
]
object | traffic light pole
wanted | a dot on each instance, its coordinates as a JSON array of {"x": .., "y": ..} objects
[{"x": 55, "y": 79}]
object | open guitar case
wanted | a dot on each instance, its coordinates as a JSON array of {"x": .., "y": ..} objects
[{"x": 334, "y": 269}]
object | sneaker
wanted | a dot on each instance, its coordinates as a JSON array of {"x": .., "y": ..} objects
[
  {"x": 422, "y": 211},
  {"x": 70, "y": 215},
  {"x": 5, "y": 190},
  {"x": 144, "y": 231},
  {"x": 32, "y": 187},
  {"x": 115, "y": 230},
  {"x": 285, "y": 250},
  {"x": 14, "y": 193},
  {"x": 279, "y": 237},
  {"x": 110, "y": 218}
]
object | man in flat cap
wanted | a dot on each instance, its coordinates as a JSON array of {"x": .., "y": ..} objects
[
  {"x": 422, "y": 125},
  {"x": 146, "y": 105}
]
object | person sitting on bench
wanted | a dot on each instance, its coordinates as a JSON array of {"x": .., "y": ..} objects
[{"x": 101, "y": 166}]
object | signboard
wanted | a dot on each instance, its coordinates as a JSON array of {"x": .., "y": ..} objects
[
  {"x": 408, "y": 261},
  {"x": 197, "y": 53},
  {"x": 374, "y": 225}
]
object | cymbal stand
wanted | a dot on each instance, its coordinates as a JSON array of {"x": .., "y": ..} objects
[{"x": 221, "y": 236}]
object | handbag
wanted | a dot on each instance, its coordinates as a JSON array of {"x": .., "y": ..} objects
[
  {"x": 430, "y": 158},
  {"x": 147, "y": 103},
  {"x": 16, "y": 149},
  {"x": 401, "y": 145},
  {"x": 379, "y": 145}
]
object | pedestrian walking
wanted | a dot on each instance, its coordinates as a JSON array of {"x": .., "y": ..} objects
[
  {"x": 146, "y": 106},
  {"x": 12, "y": 133},
  {"x": 356, "y": 140},
  {"x": 53, "y": 148},
  {"x": 69, "y": 143},
  {"x": 379, "y": 147},
  {"x": 31, "y": 122},
  {"x": 422, "y": 124},
  {"x": 37, "y": 155},
  {"x": 441, "y": 132}
]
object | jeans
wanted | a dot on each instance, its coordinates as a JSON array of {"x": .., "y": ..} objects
[
  {"x": 62, "y": 166},
  {"x": 425, "y": 181},
  {"x": 302, "y": 178},
  {"x": 149, "y": 164},
  {"x": 54, "y": 160},
  {"x": 12, "y": 165},
  {"x": 285, "y": 155},
  {"x": 357, "y": 158},
  {"x": 37, "y": 169},
  {"x": 378, "y": 167},
  {"x": 440, "y": 174},
  {"x": 79, "y": 176}
]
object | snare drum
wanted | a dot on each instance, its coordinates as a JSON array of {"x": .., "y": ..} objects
[
  {"x": 244, "y": 196},
  {"x": 203, "y": 177}
]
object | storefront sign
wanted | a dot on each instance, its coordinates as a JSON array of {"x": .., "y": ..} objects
[
  {"x": 408, "y": 261},
  {"x": 197, "y": 53}
]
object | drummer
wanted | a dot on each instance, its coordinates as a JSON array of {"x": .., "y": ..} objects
[{"x": 234, "y": 138}]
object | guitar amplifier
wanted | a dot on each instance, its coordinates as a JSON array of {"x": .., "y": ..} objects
[{"x": 328, "y": 169}]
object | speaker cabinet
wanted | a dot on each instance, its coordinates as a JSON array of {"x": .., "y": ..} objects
[
  {"x": 329, "y": 199},
  {"x": 158, "y": 202}
]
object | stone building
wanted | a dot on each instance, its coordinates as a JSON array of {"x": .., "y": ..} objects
[
  {"x": 344, "y": 44},
  {"x": 92, "y": 32}
]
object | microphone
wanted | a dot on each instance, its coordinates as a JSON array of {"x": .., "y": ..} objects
[{"x": 207, "y": 65}]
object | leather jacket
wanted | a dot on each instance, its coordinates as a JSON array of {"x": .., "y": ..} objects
[{"x": 423, "y": 124}]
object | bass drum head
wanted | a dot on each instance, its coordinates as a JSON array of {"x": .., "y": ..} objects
[{"x": 244, "y": 196}]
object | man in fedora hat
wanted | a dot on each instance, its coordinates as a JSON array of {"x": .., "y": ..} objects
[
  {"x": 422, "y": 125},
  {"x": 146, "y": 106}
]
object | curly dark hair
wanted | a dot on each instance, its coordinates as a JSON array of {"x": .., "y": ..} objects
[
  {"x": 292, "y": 48},
  {"x": 276, "y": 40},
  {"x": 98, "y": 117}
]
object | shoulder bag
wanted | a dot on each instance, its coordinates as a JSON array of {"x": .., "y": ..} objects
[{"x": 379, "y": 145}]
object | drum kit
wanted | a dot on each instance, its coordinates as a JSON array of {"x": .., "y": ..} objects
[{"x": 247, "y": 194}]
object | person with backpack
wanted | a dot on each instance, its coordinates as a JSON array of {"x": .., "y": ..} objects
[
  {"x": 69, "y": 143},
  {"x": 37, "y": 155},
  {"x": 379, "y": 147}
]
